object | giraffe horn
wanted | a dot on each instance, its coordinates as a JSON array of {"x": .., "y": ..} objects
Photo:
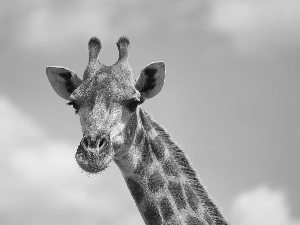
[
  {"x": 94, "y": 64},
  {"x": 94, "y": 49},
  {"x": 123, "y": 46}
]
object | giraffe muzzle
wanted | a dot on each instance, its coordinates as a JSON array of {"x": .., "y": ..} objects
[{"x": 94, "y": 154}]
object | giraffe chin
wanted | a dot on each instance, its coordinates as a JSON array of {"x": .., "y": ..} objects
[{"x": 92, "y": 161}]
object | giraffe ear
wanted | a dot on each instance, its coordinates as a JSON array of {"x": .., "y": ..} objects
[
  {"x": 151, "y": 80},
  {"x": 63, "y": 81}
]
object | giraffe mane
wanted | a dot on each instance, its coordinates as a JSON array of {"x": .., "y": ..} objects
[{"x": 186, "y": 167}]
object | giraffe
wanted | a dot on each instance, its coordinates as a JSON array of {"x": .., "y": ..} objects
[{"x": 158, "y": 173}]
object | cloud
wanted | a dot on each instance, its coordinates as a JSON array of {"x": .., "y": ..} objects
[
  {"x": 262, "y": 206},
  {"x": 13, "y": 124},
  {"x": 42, "y": 184},
  {"x": 258, "y": 25},
  {"x": 55, "y": 25},
  {"x": 41, "y": 25},
  {"x": 253, "y": 26}
]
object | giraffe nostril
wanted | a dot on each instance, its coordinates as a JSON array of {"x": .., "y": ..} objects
[
  {"x": 102, "y": 142},
  {"x": 85, "y": 142}
]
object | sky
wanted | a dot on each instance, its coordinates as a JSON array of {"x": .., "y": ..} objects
[{"x": 231, "y": 99}]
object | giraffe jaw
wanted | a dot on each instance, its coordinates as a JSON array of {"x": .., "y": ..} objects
[{"x": 93, "y": 161}]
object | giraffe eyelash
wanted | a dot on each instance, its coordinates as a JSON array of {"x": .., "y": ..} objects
[{"x": 75, "y": 106}]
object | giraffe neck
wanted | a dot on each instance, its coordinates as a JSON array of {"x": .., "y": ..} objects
[{"x": 161, "y": 180}]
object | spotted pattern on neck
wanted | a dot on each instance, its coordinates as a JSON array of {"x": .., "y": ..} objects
[{"x": 162, "y": 186}]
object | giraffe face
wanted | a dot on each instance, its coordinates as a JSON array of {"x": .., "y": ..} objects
[
  {"x": 106, "y": 101},
  {"x": 106, "y": 104}
]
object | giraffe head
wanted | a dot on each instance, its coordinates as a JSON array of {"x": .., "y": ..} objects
[{"x": 106, "y": 101}]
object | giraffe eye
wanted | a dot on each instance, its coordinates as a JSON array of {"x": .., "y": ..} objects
[
  {"x": 75, "y": 106},
  {"x": 133, "y": 105}
]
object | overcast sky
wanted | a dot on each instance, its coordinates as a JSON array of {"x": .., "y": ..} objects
[{"x": 231, "y": 99}]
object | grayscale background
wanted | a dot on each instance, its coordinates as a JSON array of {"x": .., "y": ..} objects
[{"x": 231, "y": 99}]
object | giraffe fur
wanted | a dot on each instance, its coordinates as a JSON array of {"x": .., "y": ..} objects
[
  {"x": 194, "y": 186},
  {"x": 181, "y": 197}
]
